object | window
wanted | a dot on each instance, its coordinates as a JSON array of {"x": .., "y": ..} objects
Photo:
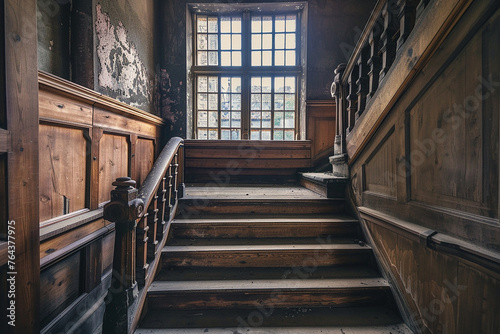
[{"x": 246, "y": 75}]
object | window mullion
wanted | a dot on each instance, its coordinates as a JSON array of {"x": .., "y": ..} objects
[{"x": 245, "y": 76}]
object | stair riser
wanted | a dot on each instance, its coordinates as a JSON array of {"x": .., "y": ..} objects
[
  {"x": 333, "y": 189},
  {"x": 263, "y": 230},
  {"x": 266, "y": 299},
  {"x": 308, "y": 259},
  {"x": 190, "y": 209}
]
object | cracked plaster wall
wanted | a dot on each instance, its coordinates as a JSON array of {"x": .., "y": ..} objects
[{"x": 124, "y": 37}]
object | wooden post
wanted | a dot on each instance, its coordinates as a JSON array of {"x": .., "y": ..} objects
[
  {"x": 337, "y": 93},
  {"x": 21, "y": 103},
  {"x": 123, "y": 209}
]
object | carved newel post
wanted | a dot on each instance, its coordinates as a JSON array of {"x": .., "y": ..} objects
[
  {"x": 123, "y": 209},
  {"x": 339, "y": 158}
]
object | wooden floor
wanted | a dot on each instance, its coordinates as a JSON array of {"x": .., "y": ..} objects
[{"x": 251, "y": 192}]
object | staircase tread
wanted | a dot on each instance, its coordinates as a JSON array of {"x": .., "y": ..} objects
[
  {"x": 159, "y": 287},
  {"x": 225, "y": 273},
  {"x": 255, "y": 241},
  {"x": 399, "y": 328},
  {"x": 284, "y": 247},
  {"x": 239, "y": 219},
  {"x": 251, "y": 192},
  {"x": 366, "y": 319}
]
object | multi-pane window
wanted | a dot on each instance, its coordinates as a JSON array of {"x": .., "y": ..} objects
[{"x": 246, "y": 76}]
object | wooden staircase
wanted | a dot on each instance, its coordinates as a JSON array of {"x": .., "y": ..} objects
[{"x": 267, "y": 259}]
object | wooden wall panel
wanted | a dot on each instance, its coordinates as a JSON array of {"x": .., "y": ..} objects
[
  {"x": 59, "y": 286},
  {"x": 446, "y": 138},
  {"x": 379, "y": 170},
  {"x": 54, "y": 106},
  {"x": 108, "y": 245},
  {"x": 321, "y": 125},
  {"x": 245, "y": 161},
  {"x": 441, "y": 244},
  {"x": 479, "y": 301},
  {"x": 144, "y": 158},
  {"x": 113, "y": 162},
  {"x": 63, "y": 158}
]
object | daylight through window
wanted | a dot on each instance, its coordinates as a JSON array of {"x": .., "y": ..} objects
[{"x": 246, "y": 73}]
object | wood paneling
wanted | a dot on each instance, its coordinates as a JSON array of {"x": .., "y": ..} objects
[
  {"x": 479, "y": 301},
  {"x": 113, "y": 121},
  {"x": 86, "y": 141},
  {"x": 379, "y": 170},
  {"x": 245, "y": 161},
  {"x": 144, "y": 157},
  {"x": 321, "y": 125},
  {"x": 447, "y": 140},
  {"x": 63, "y": 158},
  {"x": 64, "y": 240},
  {"x": 108, "y": 245},
  {"x": 59, "y": 286},
  {"x": 441, "y": 245},
  {"x": 57, "y": 107},
  {"x": 113, "y": 163}
]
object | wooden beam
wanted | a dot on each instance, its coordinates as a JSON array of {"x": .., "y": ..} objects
[{"x": 22, "y": 122}]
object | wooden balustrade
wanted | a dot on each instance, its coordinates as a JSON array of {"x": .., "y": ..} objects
[
  {"x": 386, "y": 32},
  {"x": 141, "y": 216}
]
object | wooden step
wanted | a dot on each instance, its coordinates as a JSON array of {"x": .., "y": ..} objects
[
  {"x": 324, "y": 184},
  {"x": 192, "y": 206},
  {"x": 261, "y": 241},
  {"x": 269, "y": 227},
  {"x": 268, "y": 293},
  {"x": 266, "y": 255},
  {"x": 231, "y": 273},
  {"x": 399, "y": 328},
  {"x": 325, "y": 320}
]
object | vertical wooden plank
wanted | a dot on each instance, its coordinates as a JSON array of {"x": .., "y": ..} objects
[
  {"x": 94, "y": 170},
  {"x": 22, "y": 121},
  {"x": 133, "y": 158}
]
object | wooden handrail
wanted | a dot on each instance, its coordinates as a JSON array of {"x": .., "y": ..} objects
[
  {"x": 356, "y": 82},
  {"x": 141, "y": 218}
]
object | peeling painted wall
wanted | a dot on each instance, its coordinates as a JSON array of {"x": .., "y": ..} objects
[
  {"x": 333, "y": 29},
  {"x": 124, "y": 37}
]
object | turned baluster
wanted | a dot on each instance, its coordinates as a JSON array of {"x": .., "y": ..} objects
[
  {"x": 162, "y": 198},
  {"x": 352, "y": 98},
  {"x": 142, "y": 250},
  {"x": 388, "y": 46},
  {"x": 421, "y": 6},
  {"x": 362, "y": 81},
  {"x": 170, "y": 192},
  {"x": 374, "y": 63},
  {"x": 153, "y": 228},
  {"x": 407, "y": 13}
]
